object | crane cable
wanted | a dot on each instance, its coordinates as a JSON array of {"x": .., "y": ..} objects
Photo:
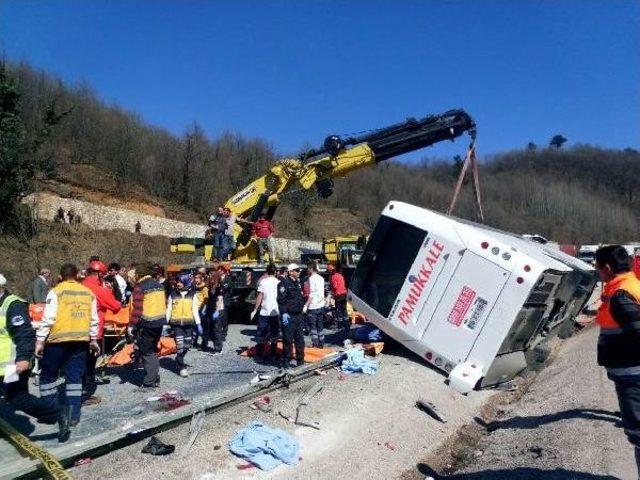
[
  {"x": 469, "y": 161},
  {"x": 49, "y": 462}
]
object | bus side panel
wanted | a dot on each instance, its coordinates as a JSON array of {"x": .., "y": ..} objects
[
  {"x": 431, "y": 270},
  {"x": 463, "y": 308}
]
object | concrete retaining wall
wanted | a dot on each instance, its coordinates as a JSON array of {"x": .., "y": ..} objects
[{"x": 100, "y": 217}]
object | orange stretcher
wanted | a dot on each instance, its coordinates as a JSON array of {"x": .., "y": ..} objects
[
  {"x": 166, "y": 346},
  {"x": 311, "y": 354}
]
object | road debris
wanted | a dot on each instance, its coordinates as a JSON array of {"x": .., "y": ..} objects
[
  {"x": 431, "y": 410},
  {"x": 304, "y": 400},
  {"x": 388, "y": 445},
  {"x": 259, "y": 377},
  {"x": 156, "y": 447},
  {"x": 287, "y": 418},
  {"x": 82, "y": 461},
  {"x": 356, "y": 362},
  {"x": 264, "y": 446},
  {"x": 197, "y": 421},
  {"x": 263, "y": 404}
]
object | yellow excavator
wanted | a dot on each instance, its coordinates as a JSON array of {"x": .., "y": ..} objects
[{"x": 338, "y": 157}]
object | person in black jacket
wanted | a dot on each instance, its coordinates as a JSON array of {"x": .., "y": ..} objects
[
  {"x": 16, "y": 333},
  {"x": 291, "y": 303}
]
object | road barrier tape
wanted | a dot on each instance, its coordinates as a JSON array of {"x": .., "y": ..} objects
[{"x": 49, "y": 462}]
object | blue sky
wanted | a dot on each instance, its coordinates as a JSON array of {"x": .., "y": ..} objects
[{"x": 293, "y": 72}]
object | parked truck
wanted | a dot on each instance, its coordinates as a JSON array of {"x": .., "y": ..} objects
[{"x": 473, "y": 301}]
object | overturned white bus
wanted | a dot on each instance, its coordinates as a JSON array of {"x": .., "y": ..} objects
[{"x": 471, "y": 300}]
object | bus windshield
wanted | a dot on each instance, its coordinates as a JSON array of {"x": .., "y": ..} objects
[{"x": 385, "y": 263}]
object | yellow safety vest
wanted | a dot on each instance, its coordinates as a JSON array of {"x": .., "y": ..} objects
[
  {"x": 73, "y": 319},
  {"x": 181, "y": 309},
  {"x": 154, "y": 305},
  {"x": 7, "y": 347}
]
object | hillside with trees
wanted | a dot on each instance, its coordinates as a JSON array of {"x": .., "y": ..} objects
[{"x": 581, "y": 194}]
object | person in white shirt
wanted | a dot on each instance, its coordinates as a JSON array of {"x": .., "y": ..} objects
[
  {"x": 114, "y": 271},
  {"x": 183, "y": 315},
  {"x": 268, "y": 313},
  {"x": 314, "y": 307}
]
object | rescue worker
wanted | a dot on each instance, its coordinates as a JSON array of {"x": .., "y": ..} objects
[
  {"x": 314, "y": 306},
  {"x": 183, "y": 316},
  {"x": 17, "y": 345},
  {"x": 105, "y": 301},
  {"x": 148, "y": 317},
  {"x": 291, "y": 304},
  {"x": 202, "y": 292},
  {"x": 67, "y": 333},
  {"x": 619, "y": 341},
  {"x": 266, "y": 308},
  {"x": 263, "y": 230},
  {"x": 338, "y": 288}
]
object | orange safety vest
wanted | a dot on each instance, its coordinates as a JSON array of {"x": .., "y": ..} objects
[{"x": 625, "y": 281}]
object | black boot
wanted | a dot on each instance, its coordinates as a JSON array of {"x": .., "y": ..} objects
[
  {"x": 64, "y": 431},
  {"x": 260, "y": 350}
]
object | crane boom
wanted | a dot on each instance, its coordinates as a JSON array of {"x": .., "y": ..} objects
[{"x": 337, "y": 158}]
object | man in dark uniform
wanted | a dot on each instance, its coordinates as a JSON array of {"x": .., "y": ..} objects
[
  {"x": 17, "y": 344},
  {"x": 218, "y": 309},
  {"x": 291, "y": 303}
]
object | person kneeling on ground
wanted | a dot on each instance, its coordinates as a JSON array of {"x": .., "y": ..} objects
[
  {"x": 183, "y": 315},
  {"x": 148, "y": 317},
  {"x": 269, "y": 317},
  {"x": 291, "y": 303},
  {"x": 17, "y": 345}
]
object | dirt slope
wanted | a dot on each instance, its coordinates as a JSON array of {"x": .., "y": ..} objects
[
  {"x": 564, "y": 427},
  {"x": 55, "y": 244}
]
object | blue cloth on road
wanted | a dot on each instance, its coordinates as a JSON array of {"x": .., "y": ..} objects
[
  {"x": 356, "y": 362},
  {"x": 367, "y": 333},
  {"x": 264, "y": 446}
]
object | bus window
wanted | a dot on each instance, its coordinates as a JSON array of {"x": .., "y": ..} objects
[{"x": 385, "y": 263}]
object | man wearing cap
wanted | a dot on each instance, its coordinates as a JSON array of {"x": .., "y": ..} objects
[
  {"x": 17, "y": 344},
  {"x": 67, "y": 333},
  {"x": 183, "y": 315},
  {"x": 148, "y": 317},
  {"x": 291, "y": 304},
  {"x": 105, "y": 301}
]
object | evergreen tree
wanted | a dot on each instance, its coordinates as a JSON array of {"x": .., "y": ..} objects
[
  {"x": 18, "y": 147},
  {"x": 557, "y": 141}
]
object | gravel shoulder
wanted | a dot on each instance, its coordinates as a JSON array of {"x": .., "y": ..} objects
[
  {"x": 563, "y": 427},
  {"x": 369, "y": 428}
]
